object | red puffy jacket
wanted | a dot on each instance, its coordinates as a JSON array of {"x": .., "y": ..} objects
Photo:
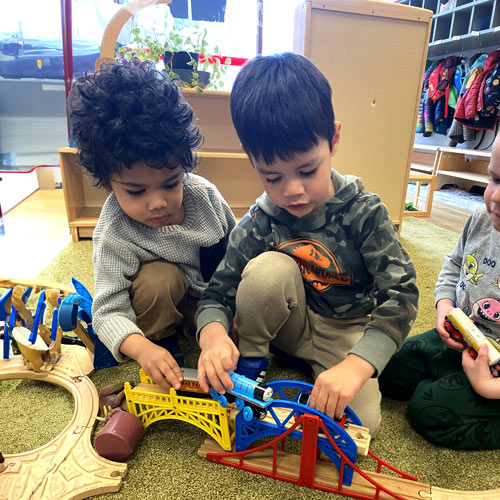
[
  {"x": 472, "y": 101},
  {"x": 441, "y": 79}
]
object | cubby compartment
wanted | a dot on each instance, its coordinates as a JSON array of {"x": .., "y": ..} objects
[
  {"x": 482, "y": 17},
  {"x": 433, "y": 29},
  {"x": 461, "y": 22},
  {"x": 496, "y": 15},
  {"x": 444, "y": 6},
  {"x": 443, "y": 27},
  {"x": 431, "y": 5},
  {"x": 460, "y": 3}
]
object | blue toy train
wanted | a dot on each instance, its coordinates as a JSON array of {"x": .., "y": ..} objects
[{"x": 251, "y": 397}]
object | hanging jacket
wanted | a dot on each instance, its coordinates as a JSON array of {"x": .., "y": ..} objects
[
  {"x": 472, "y": 101},
  {"x": 423, "y": 99},
  {"x": 441, "y": 79},
  {"x": 473, "y": 72},
  {"x": 443, "y": 116},
  {"x": 458, "y": 132},
  {"x": 429, "y": 107},
  {"x": 456, "y": 86},
  {"x": 490, "y": 99}
]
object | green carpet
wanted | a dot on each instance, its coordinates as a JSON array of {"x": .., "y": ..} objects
[{"x": 165, "y": 465}]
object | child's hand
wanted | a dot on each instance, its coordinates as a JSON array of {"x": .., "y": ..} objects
[
  {"x": 483, "y": 381},
  {"x": 156, "y": 361},
  {"x": 218, "y": 355},
  {"x": 336, "y": 387},
  {"x": 444, "y": 306}
]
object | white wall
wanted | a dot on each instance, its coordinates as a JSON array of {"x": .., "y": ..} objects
[{"x": 15, "y": 187}]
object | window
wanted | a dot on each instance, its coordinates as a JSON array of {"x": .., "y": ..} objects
[{"x": 278, "y": 18}]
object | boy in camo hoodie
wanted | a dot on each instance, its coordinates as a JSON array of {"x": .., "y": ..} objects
[{"x": 314, "y": 268}]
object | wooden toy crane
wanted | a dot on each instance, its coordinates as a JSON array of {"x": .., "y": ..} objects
[
  {"x": 39, "y": 344},
  {"x": 68, "y": 466}
]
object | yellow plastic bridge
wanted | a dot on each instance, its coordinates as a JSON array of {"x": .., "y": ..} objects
[{"x": 151, "y": 403}]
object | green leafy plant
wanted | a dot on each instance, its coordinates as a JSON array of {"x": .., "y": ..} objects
[
  {"x": 410, "y": 207},
  {"x": 154, "y": 47}
]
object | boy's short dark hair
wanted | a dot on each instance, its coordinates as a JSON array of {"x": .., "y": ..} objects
[
  {"x": 281, "y": 105},
  {"x": 128, "y": 112}
]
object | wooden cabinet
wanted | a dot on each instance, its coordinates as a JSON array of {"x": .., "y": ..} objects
[
  {"x": 373, "y": 54},
  {"x": 222, "y": 161}
]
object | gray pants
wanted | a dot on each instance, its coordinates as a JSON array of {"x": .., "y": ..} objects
[
  {"x": 272, "y": 307},
  {"x": 160, "y": 299}
]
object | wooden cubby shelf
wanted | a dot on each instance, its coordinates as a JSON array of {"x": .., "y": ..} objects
[
  {"x": 469, "y": 25},
  {"x": 463, "y": 167},
  {"x": 463, "y": 28},
  {"x": 221, "y": 161},
  {"x": 231, "y": 172}
]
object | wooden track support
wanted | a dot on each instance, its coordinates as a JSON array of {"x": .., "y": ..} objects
[
  {"x": 67, "y": 467},
  {"x": 326, "y": 476}
]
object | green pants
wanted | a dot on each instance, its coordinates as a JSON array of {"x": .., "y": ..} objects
[{"x": 443, "y": 407}]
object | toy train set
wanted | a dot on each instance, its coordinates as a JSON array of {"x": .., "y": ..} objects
[
  {"x": 248, "y": 395},
  {"x": 273, "y": 412}
]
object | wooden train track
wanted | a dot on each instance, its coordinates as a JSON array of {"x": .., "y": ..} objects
[
  {"x": 327, "y": 476},
  {"x": 67, "y": 467}
]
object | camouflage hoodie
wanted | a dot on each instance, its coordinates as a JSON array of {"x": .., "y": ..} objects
[{"x": 351, "y": 262}]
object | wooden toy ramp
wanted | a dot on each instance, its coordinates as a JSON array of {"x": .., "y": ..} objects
[{"x": 67, "y": 467}]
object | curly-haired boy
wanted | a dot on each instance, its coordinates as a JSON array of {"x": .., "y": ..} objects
[{"x": 162, "y": 230}]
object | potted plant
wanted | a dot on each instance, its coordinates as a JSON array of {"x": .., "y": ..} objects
[{"x": 180, "y": 53}]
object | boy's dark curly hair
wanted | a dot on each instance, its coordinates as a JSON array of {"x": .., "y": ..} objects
[
  {"x": 128, "y": 112},
  {"x": 281, "y": 105}
]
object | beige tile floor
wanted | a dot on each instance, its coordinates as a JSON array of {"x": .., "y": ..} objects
[{"x": 36, "y": 230}]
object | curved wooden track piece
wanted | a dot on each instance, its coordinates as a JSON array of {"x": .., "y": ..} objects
[
  {"x": 67, "y": 467},
  {"x": 443, "y": 494}
]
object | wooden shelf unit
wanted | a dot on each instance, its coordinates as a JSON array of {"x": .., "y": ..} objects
[
  {"x": 222, "y": 162},
  {"x": 460, "y": 166},
  {"x": 378, "y": 120},
  {"x": 471, "y": 25},
  {"x": 232, "y": 173},
  {"x": 439, "y": 165},
  {"x": 463, "y": 167}
]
